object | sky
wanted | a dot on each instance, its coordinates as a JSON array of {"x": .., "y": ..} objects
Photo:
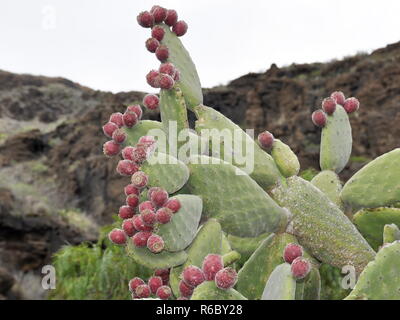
[{"x": 99, "y": 44}]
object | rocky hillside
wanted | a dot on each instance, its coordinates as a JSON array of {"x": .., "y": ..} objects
[{"x": 56, "y": 187}]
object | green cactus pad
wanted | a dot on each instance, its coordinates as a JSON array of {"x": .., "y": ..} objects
[
  {"x": 380, "y": 279},
  {"x": 391, "y": 233},
  {"x": 208, "y": 240},
  {"x": 371, "y": 222},
  {"x": 246, "y": 246},
  {"x": 143, "y": 128},
  {"x": 309, "y": 288},
  {"x": 285, "y": 159},
  {"x": 331, "y": 283},
  {"x": 189, "y": 80},
  {"x": 182, "y": 228},
  {"x": 241, "y": 206},
  {"x": 375, "y": 185},
  {"x": 321, "y": 227},
  {"x": 336, "y": 141},
  {"x": 280, "y": 285},
  {"x": 151, "y": 260},
  {"x": 168, "y": 172},
  {"x": 329, "y": 183},
  {"x": 209, "y": 291},
  {"x": 265, "y": 172}
]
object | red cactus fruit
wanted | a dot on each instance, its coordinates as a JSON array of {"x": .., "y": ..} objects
[
  {"x": 177, "y": 75},
  {"x": 139, "y": 155},
  {"x": 134, "y": 283},
  {"x": 185, "y": 290},
  {"x": 300, "y": 267},
  {"x": 117, "y": 236},
  {"x": 193, "y": 276},
  {"x": 351, "y": 105},
  {"x": 139, "y": 224},
  {"x": 139, "y": 179},
  {"x": 143, "y": 291},
  {"x": 154, "y": 283},
  {"x": 131, "y": 189},
  {"x": 266, "y": 139},
  {"x": 145, "y": 19},
  {"x": 132, "y": 200},
  {"x": 127, "y": 153},
  {"x": 157, "y": 33},
  {"x": 162, "y": 52},
  {"x": 140, "y": 238},
  {"x": 110, "y": 148},
  {"x": 119, "y": 136},
  {"x": 136, "y": 109},
  {"x": 159, "y": 197},
  {"x": 126, "y": 212},
  {"x": 165, "y": 81},
  {"x": 167, "y": 68},
  {"x": 164, "y": 274},
  {"x": 148, "y": 217},
  {"x": 127, "y": 167},
  {"x": 173, "y": 204},
  {"x": 164, "y": 292},
  {"x": 152, "y": 44},
  {"x": 171, "y": 18},
  {"x": 155, "y": 243},
  {"x": 128, "y": 227},
  {"x": 292, "y": 251},
  {"x": 329, "y": 105},
  {"x": 180, "y": 28},
  {"x": 318, "y": 117},
  {"x": 182, "y": 298},
  {"x": 159, "y": 13},
  {"x": 226, "y": 278},
  {"x": 212, "y": 263},
  {"x": 339, "y": 97},
  {"x": 151, "y": 101},
  {"x": 130, "y": 119},
  {"x": 109, "y": 128},
  {"x": 147, "y": 140},
  {"x": 146, "y": 205},
  {"x": 163, "y": 215},
  {"x": 153, "y": 79},
  {"x": 117, "y": 119}
]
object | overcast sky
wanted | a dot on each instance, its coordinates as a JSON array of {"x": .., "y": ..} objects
[{"x": 99, "y": 44}]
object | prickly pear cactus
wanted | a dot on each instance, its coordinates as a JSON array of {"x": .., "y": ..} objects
[{"x": 220, "y": 216}]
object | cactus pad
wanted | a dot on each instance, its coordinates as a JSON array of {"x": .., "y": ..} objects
[
  {"x": 280, "y": 285},
  {"x": 209, "y": 291},
  {"x": 391, "y": 233},
  {"x": 285, "y": 159},
  {"x": 141, "y": 129},
  {"x": 329, "y": 183},
  {"x": 375, "y": 185},
  {"x": 309, "y": 288},
  {"x": 336, "y": 141},
  {"x": 182, "y": 228}
]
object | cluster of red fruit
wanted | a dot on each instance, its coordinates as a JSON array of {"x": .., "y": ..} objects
[
  {"x": 212, "y": 270},
  {"x": 319, "y": 117},
  {"x": 157, "y": 285},
  {"x": 300, "y": 266}
]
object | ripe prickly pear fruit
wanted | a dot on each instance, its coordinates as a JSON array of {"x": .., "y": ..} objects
[
  {"x": 128, "y": 227},
  {"x": 140, "y": 238},
  {"x": 193, "y": 276},
  {"x": 162, "y": 52},
  {"x": 180, "y": 28},
  {"x": 148, "y": 217},
  {"x": 145, "y": 19},
  {"x": 136, "y": 109},
  {"x": 167, "y": 68},
  {"x": 300, "y": 268},
  {"x": 146, "y": 205},
  {"x": 212, "y": 263},
  {"x": 130, "y": 119},
  {"x": 164, "y": 274},
  {"x": 155, "y": 283},
  {"x": 164, "y": 292},
  {"x": 318, "y": 117},
  {"x": 147, "y": 140},
  {"x": 165, "y": 81},
  {"x": 339, "y": 97},
  {"x": 139, "y": 155},
  {"x": 134, "y": 283},
  {"x": 126, "y": 212},
  {"x": 173, "y": 204},
  {"x": 329, "y": 105},
  {"x": 131, "y": 189},
  {"x": 185, "y": 290},
  {"x": 153, "y": 79},
  {"x": 159, "y": 13},
  {"x": 157, "y": 33},
  {"x": 266, "y": 140},
  {"x": 155, "y": 243},
  {"x": 117, "y": 236},
  {"x": 139, "y": 224},
  {"x": 158, "y": 197},
  {"x": 119, "y": 136},
  {"x": 292, "y": 251},
  {"x": 152, "y": 44},
  {"x": 117, "y": 119},
  {"x": 143, "y": 291},
  {"x": 171, "y": 18},
  {"x": 351, "y": 105},
  {"x": 127, "y": 168},
  {"x": 110, "y": 148},
  {"x": 132, "y": 200},
  {"x": 151, "y": 101},
  {"x": 127, "y": 153},
  {"x": 226, "y": 278},
  {"x": 109, "y": 128},
  {"x": 163, "y": 215},
  {"x": 139, "y": 179}
]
